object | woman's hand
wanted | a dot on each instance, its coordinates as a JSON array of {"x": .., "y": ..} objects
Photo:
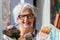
[{"x": 44, "y": 31}]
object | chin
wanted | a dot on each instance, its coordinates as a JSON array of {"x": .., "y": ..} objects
[{"x": 26, "y": 26}]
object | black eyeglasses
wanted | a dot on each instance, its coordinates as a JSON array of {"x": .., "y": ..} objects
[{"x": 29, "y": 16}]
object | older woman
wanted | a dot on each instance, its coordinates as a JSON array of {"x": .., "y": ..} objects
[{"x": 24, "y": 15}]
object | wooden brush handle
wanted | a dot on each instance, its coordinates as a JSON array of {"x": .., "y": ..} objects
[{"x": 57, "y": 20}]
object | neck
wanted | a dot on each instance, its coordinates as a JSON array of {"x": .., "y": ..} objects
[{"x": 24, "y": 30}]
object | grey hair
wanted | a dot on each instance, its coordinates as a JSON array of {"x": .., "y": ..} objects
[{"x": 19, "y": 8}]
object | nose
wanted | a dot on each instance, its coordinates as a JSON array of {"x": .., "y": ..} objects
[{"x": 25, "y": 19}]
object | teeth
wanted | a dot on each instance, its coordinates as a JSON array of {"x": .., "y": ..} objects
[{"x": 26, "y": 23}]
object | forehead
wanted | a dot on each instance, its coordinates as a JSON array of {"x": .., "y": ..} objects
[{"x": 26, "y": 11}]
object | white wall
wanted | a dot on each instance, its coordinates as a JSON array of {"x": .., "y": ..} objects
[{"x": 46, "y": 13}]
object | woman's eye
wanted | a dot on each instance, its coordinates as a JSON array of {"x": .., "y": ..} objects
[
  {"x": 30, "y": 16},
  {"x": 22, "y": 16}
]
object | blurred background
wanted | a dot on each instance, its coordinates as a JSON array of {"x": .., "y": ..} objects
[{"x": 55, "y": 13}]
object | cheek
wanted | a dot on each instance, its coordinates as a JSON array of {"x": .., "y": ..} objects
[
  {"x": 20, "y": 21},
  {"x": 31, "y": 20}
]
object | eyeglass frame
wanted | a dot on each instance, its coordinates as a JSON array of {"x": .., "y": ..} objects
[{"x": 29, "y": 16}]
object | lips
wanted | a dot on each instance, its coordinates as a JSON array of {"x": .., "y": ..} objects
[{"x": 27, "y": 24}]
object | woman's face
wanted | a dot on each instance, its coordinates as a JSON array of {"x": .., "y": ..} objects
[{"x": 26, "y": 18}]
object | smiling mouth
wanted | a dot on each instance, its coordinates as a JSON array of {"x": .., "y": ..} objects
[{"x": 27, "y": 23}]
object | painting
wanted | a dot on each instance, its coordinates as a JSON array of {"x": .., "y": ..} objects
[
  {"x": 55, "y": 13},
  {"x": 5, "y": 13}
]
